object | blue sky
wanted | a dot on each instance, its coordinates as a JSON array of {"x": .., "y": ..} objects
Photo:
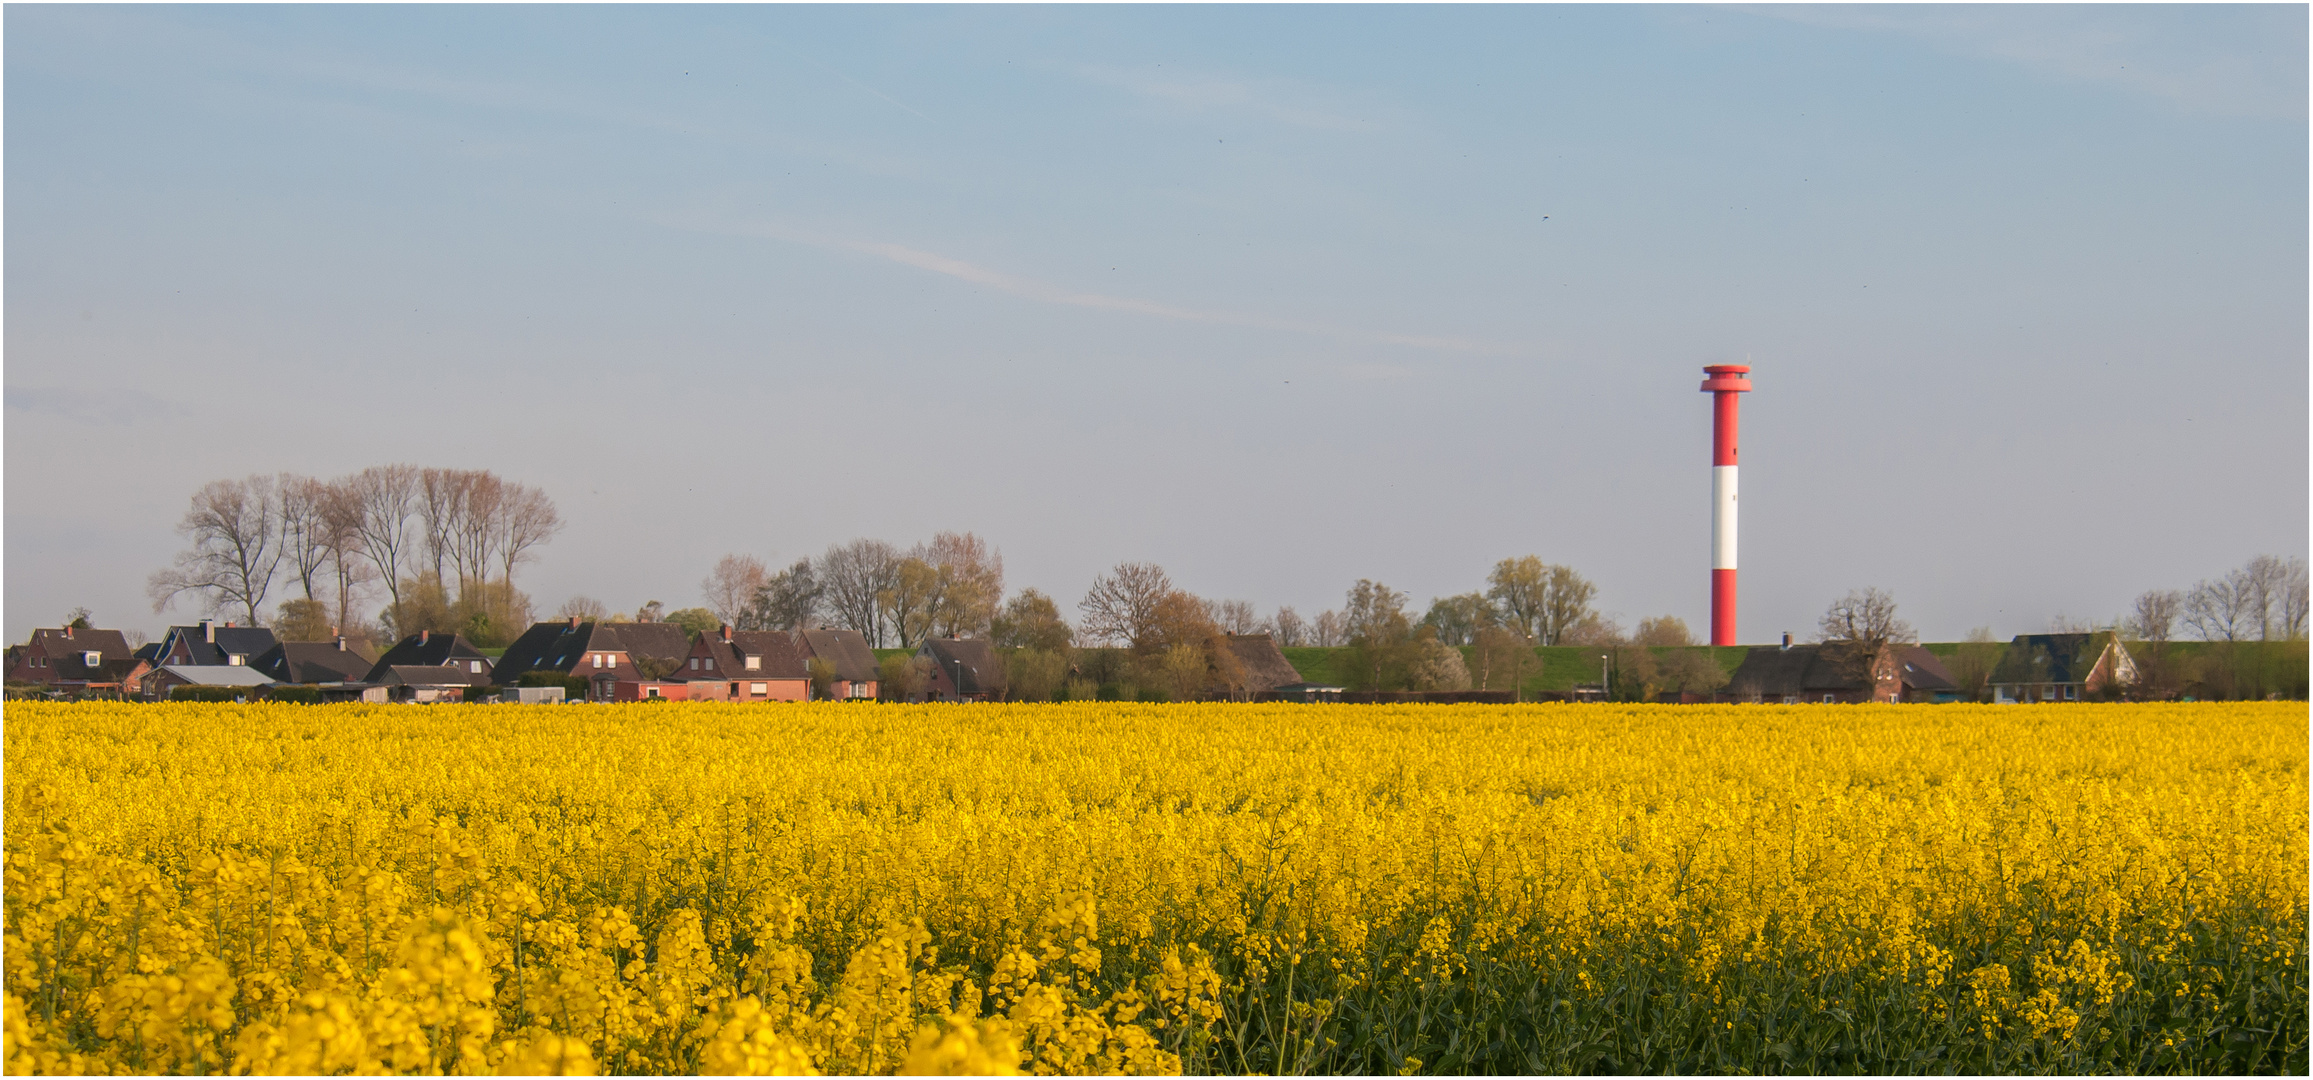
[{"x": 1276, "y": 297}]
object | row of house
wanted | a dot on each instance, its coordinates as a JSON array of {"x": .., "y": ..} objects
[
  {"x": 613, "y": 661},
  {"x": 656, "y": 660},
  {"x": 2032, "y": 668}
]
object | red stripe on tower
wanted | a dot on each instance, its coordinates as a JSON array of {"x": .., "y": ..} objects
[{"x": 1725, "y": 381}]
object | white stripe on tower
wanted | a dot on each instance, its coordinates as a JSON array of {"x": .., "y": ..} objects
[{"x": 1722, "y": 517}]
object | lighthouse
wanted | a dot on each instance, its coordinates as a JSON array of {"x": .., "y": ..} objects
[{"x": 1724, "y": 382}]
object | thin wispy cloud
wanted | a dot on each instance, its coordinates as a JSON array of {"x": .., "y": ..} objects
[
  {"x": 2255, "y": 66},
  {"x": 1028, "y": 288},
  {"x": 1282, "y": 100}
]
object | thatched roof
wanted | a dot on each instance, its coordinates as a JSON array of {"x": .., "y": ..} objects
[{"x": 1265, "y": 665}]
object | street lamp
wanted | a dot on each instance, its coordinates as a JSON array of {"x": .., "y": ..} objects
[{"x": 1602, "y": 687}]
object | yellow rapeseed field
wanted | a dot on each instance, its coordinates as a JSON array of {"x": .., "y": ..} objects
[{"x": 1152, "y": 889}]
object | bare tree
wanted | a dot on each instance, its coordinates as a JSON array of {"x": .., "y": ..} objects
[
  {"x": 1235, "y": 616},
  {"x": 854, "y": 575},
  {"x": 1121, "y": 604},
  {"x": 787, "y": 600},
  {"x": 441, "y": 494},
  {"x": 526, "y": 521},
  {"x": 1864, "y": 618},
  {"x": 387, "y": 498},
  {"x": 584, "y": 609},
  {"x": 2225, "y": 609},
  {"x": 2155, "y": 615},
  {"x": 341, "y": 532},
  {"x": 1328, "y": 629},
  {"x": 305, "y": 530},
  {"x": 1289, "y": 628},
  {"x": 2276, "y": 588},
  {"x": 731, "y": 586},
  {"x": 235, "y": 529}
]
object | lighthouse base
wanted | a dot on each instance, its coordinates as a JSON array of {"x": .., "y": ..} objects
[{"x": 1722, "y": 607}]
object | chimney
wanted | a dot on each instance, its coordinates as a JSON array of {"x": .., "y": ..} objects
[
  {"x": 425, "y": 636},
  {"x": 1786, "y": 641},
  {"x": 208, "y": 631},
  {"x": 68, "y": 631},
  {"x": 574, "y": 622},
  {"x": 228, "y": 624},
  {"x": 340, "y": 642},
  {"x": 726, "y": 633}
]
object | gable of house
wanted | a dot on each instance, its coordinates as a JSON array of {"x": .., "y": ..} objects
[{"x": 966, "y": 666}]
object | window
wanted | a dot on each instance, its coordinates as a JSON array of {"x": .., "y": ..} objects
[
  {"x": 758, "y": 688},
  {"x": 237, "y": 659},
  {"x": 1827, "y": 699},
  {"x": 650, "y": 691},
  {"x": 754, "y": 663},
  {"x": 474, "y": 666},
  {"x": 709, "y": 663},
  {"x": 2071, "y": 693},
  {"x": 694, "y": 663},
  {"x": 91, "y": 659},
  {"x": 598, "y": 659}
]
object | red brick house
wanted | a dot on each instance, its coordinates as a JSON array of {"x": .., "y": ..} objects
[
  {"x": 77, "y": 659},
  {"x": 648, "y": 690},
  {"x": 857, "y": 676},
  {"x": 746, "y": 665},
  {"x": 603, "y": 654}
]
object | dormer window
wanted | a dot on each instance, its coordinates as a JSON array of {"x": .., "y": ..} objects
[
  {"x": 91, "y": 659},
  {"x": 754, "y": 663},
  {"x": 237, "y": 659},
  {"x": 474, "y": 666}
]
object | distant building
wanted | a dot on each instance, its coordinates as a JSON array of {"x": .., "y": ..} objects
[
  {"x": 77, "y": 659},
  {"x": 315, "y": 662},
  {"x": 162, "y": 682},
  {"x": 857, "y": 675},
  {"x": 208, "y": 643},
  {"x": 428, "y": 683},
  {"x": 1839, "y": 672},
  {"x": 746, "y": 665},
  {"x": 428, "y": 649},
  {"x": 2061, "y": 667},
  {"x": 963, "y": 669},
  {"x": 1264, "y": 664},
  {"x": 603, "y": 654}
]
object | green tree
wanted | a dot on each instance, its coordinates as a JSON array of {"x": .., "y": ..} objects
[
  {"x": 1458, "y": 619},
  {"x": 1031, "y": 620},
  {"x": 695, "y": 620},
  {"x": 1543, "y": 600},
  {"x": 1381, "y": 638},
  {"x": 301, "y": 619}
]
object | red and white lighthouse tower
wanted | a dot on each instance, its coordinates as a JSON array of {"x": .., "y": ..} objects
[{"x": 1725, "y": 381}]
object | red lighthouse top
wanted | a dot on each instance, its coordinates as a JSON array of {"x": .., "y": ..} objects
[{"x": 1726, "y": 379}]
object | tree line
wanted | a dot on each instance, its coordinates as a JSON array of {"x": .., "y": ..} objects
[{"x": 439, "y": 546}]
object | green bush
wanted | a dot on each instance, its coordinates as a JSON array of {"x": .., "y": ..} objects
[{"x": 291, "y": 695}]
